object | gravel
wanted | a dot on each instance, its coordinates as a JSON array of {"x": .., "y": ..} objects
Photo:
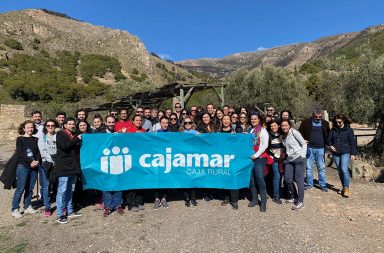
[{"x": 328, "y": 223}]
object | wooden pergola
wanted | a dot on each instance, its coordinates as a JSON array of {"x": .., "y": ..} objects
[{"x": 154, "y": 99}]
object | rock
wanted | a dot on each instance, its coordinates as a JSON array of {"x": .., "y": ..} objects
[{"x": 362, "y": 169}]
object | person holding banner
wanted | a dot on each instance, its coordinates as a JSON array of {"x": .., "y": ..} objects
[
  {"x": 133, "y": 198},
  {"x": 260, "y": 145},
  {"x": 295, "y": 163},
  {"x": 113, "y": 200},
  {"x": 207, "y": 126},
  {"x": 188, "y": 126},
  {"x": 160, "y": 194},
  {"x": 67, "y": 169},
  {"x": 232, "y": 196}
]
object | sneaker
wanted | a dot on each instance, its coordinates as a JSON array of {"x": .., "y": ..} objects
[
  {"x": 307, "y": 187},
  {"x": 107, "y": 212},
  {"x": 346, "y": 192},
  {"x": 298, "y": 206},
  {"x": 207, "y": 198},
  {"x": 62, "y": 220},
  {"x": 30, "y": 210},
  {"x": 141, "y": 207},
  {"x": 134, "y": 209},
  {"x": 74, "y": 215},
  {"x": 235, "y": 206},
  {"x": 194, "y": 202},
  {"x": 187, "y": 203},
  {"x": 164, "y": 203},
  {"x": 225, "y": 202},
  {"x": 289, "y": 201},
  {"x": 324, "y": 189},
  {"x": 253, "y": 203},
  {"x": 119, "y": 210},
  {"x": 16, "y": 214},
  {"x": 277, "y": 200},
  {"x": 156, "y": 204},
  {"x": 47, "y": 213}
]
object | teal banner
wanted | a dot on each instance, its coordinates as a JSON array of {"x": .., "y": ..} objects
[{"x": 124, "y": 161}]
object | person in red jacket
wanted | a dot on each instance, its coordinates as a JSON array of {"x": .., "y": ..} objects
[
  {"x": 124, "y": 123},
  {"x": 133, "y": 198}
]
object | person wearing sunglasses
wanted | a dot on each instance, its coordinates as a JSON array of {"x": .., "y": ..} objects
[
  {"x": 161, "y": 194},
  {"x": 315, "y": 131},
  {"x": 174, "y": 124},
  {"x": 244, "y": 121},
  {"x": 342, "y": 143},
  {"x": 47, "y": 148},
  {"x": 188, "y": 126},
  {"x": 178, "y": 110}
]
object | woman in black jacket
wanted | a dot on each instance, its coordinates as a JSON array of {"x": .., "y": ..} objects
[
  {"x": 67, "y": 169},
  {"x": 343, "y": 146},
  {"x": 28, "y": 163}
]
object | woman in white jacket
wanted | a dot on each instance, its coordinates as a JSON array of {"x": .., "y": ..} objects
[{"x": 296, "y": 150}]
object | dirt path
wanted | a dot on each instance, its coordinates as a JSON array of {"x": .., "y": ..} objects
[{"x": 328, "y": 223}]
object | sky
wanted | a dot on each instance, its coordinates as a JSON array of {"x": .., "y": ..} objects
[{"x": 178, "y": 29}]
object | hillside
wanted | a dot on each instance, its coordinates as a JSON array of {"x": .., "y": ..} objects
[
  {"x": 39, "y": 31},
  {"x": 291, "y": 56}
]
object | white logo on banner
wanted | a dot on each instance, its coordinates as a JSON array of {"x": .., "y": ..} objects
[{"x": 115, "y": 163}]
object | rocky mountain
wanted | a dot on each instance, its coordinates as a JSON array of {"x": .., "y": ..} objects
[
  {"x": 38, "y": 30},
  {"x": 289, "y": 56}
]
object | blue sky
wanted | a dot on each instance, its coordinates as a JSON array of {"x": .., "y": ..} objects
[{"x": 201, "y": 28}]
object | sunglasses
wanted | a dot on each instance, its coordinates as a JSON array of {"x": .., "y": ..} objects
[
  {"x": 173, "y": 118},
  {"x": 187, "y": 123},
  {"x": 177, "y": 106},
  {"x": 140, "y": 111},
  {"x": 234, "y": 117}
]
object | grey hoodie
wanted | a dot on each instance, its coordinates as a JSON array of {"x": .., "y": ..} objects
[{"x": 295, "y": 145}]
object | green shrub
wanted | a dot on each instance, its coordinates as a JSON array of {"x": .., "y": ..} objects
[
  {"x": 14, "y": 44},
  {"x": 135, "y": 71},
  {"x": 36, "y": 41},
  {"x": 98, "y": 65}
]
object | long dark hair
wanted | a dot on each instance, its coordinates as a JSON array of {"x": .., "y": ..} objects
[{"x": 344, "y": 118}]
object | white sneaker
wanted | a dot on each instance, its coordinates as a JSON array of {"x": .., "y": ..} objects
[
  {"x": 298, "y": 206},
  {"x": 16, "y": 214},
  {"x": 30, "y": 210}
]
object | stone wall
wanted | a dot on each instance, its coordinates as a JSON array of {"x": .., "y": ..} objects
[{"x": 10, "y": 118}]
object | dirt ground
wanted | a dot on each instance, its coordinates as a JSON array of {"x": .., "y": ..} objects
[{"x": 328, "y": 223}]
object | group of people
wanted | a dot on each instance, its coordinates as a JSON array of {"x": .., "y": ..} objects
[{"x": 282, "y": 155}]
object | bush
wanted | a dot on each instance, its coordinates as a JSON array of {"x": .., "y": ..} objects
[
  {"x": 98, "y": 65},
  {"x": 14, "y": 44},
  {"x": 135, "y": 71},
  {"x": 36, "y": 41}
]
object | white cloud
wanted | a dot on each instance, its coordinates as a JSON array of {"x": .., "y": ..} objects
[
  {"x": 261, "y": 48},
  {"x": 165, "y": 56}
]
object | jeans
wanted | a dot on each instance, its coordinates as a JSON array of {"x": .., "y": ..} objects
[
  {"x": 232, "y": 196},
  {"x": 66, "y": 187},
  {"x": 276, "y": 179},
  {"x": 44, "y": 190},
  {"x": 26, "y": 179},
  {"x": 112, "y": 199},
  {"x": 257, "y": 179},
  {"x": 189, "y": 194},
  {"x": 295, "y": 170},
  {"x": 342, "y": 163},
  {"x": 316, "y": 154}
]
